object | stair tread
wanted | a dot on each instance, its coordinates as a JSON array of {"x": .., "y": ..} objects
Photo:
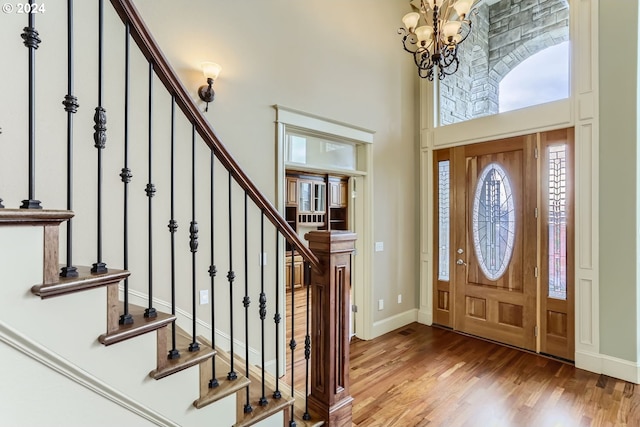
[
  {"x": 85, "y": 280},
  {"x": 33, "y": 216},
  {"x": 259, "y": 412},
  {"x": 141, "y": 325},
  {"x": 225, "y": 386},
  {"x": 187, "y": 358},
  {"x": 255, "y": 393}
]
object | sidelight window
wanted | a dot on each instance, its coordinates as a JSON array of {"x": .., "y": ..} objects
[
  {"x": 557, "y": 165},
  {"x": 443, "y": 220}
]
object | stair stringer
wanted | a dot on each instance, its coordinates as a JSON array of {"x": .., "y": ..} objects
[{"x": 68, "y": 326}]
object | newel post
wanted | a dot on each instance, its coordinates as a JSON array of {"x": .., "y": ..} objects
[{"x": 330, "y": 313}]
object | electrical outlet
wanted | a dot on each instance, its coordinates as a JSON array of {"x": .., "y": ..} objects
[
  {"x": 379, "y": 246},
  {"x": 399, "y": 298},
  {"x": 204, "y": 296},
  {"x": 380, "y": 304}
]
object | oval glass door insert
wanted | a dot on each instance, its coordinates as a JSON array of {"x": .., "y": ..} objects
[{"x": 493, "y": 221}]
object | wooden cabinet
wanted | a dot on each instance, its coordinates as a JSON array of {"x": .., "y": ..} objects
[
  {"x": 312, "y": 196},
  {"x": 291, "y": 190},
  {"x": 337, "y": 193},
  {"x": 298, "y": 271},
  {"x": 316, "y": 201}
]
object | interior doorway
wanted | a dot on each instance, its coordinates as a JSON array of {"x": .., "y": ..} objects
[{"x": 504, "y": 241}]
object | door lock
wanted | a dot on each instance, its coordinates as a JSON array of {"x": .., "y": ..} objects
[{"x": 460, "y": 251}]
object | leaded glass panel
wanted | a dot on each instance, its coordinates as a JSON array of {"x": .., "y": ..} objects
[
  {"x": 443, "y": 220},
  {"x": 558, "y": 222},
  {"x": 493, "y": 221}
]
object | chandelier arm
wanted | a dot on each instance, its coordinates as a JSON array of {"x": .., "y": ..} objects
[
  {"x": 408, "y": 40},
  {"x": 468, "y": 22}
]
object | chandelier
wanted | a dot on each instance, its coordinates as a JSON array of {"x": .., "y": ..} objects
[{"x": 444, "y": 25}]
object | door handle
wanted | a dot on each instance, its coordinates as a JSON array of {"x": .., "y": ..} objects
[{"x": 460, "y": 262}]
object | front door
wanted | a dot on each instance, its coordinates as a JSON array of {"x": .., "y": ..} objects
[
  {"x": 494, "y": 236},
  {"x": 503, "y": 241}
]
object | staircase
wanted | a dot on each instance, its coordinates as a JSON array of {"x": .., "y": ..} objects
[{"x": 135, "y": 230}]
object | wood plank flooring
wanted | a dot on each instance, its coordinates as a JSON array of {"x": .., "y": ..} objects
[{"x": 427, "y": 376}]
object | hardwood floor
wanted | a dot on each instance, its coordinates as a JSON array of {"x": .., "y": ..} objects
[
  {"x": 420, "y": 375},
  {"x": 427, "y": 376}
]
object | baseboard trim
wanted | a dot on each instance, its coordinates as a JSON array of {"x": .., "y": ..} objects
[
  {"x": 53, "y": 361},
  {"x": 389, "y": 324},
  {"x": 425, "y": 317},
  {"x": 608, "y": 365}
]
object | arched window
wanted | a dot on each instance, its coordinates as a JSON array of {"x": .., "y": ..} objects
[
  {"x": 543, "y": 77},
  {"x": 508, "y": 37}
]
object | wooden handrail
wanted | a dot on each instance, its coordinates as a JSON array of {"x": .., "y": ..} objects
[{"x": 149, "y": 48}]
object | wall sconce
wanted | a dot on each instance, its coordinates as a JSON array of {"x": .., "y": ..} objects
[{"x": 205, "y": 92}]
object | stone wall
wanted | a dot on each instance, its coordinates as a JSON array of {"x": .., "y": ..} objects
[{"x": 504, "y": 34}]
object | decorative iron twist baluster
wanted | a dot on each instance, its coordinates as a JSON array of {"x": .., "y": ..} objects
[
  {"x": 71, "y": 105},
  {"x": 193, "y": 242},
  {"x": 31, "y": 41},
  {"x": 173, "y": 227},
  {"x": 126, "y": 176}
]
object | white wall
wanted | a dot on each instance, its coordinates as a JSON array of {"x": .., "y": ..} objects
[{"x": 336, "y": 59}]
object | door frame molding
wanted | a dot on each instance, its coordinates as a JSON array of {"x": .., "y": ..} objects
[
  {"x": 363, "y": 138},
  {"x": 580, "y": 111}
]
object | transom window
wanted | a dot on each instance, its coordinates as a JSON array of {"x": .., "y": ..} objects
[{"x": 499, "y": 61}]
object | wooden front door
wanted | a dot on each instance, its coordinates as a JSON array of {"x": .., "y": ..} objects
[
  {"x": 494, "y": 238},
  {"x": 503, "y": 241}
]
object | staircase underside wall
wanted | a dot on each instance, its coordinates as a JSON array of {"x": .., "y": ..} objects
[{"x": 68, "y": 327}]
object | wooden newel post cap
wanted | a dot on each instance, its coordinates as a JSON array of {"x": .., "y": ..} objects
[{"x": 333, "y": 241}]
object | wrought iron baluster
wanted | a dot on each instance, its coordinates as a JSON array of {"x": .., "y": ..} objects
[
  {"x": 213, "y": 271},
  {"x": 71, "y": 107},
  {"x": 246, "y": 302},
  {"x": 193, "y": 241},
  {"x": 307, "y": 344},
  {"x": 277, "y": 318},
  {"x": 232, "y": 375},
  {"x": 173, "y": 227},
  {"x": 100, "y": 140},
  {"x": 292, "y": 342},
  {"x": 31, "y": 41},
  {"x": 125, "y": 176},
  {"x": 263, "y": 310},
  {"x": 151, "y": 191}
]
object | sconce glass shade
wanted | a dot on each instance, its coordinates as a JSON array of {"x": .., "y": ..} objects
[{"x": 211, "y": 70}]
